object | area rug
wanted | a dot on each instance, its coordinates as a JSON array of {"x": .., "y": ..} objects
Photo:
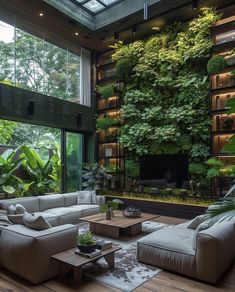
[{"x": 128, "y": 274}]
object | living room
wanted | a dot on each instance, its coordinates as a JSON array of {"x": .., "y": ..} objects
[{"x": 117, "y": 145}]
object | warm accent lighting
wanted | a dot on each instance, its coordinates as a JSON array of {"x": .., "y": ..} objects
[
  {"x": 157, "y": 28},
  {"x": 195, "y": 5},
  {"x": 41, "y": 14},
  {"x": 76, "y": 33}
]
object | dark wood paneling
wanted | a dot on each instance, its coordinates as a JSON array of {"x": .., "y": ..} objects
[{"x": 48, "y": 111}]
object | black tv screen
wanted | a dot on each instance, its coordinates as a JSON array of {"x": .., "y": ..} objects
[{"x": 171, "y": 167}]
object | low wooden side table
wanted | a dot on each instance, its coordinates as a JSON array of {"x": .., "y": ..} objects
[{"x": 68, "y": 260}]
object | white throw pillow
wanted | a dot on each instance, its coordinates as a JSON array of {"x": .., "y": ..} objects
[
  {"x": 93, "y": 197},
  {"x": 20, "y": 209},
  {"x": 196, "y": 221},
  {"x": 11, "y": 210},
  {"x": 84, "y": 198},
  {"x": 35, "y": 222}
]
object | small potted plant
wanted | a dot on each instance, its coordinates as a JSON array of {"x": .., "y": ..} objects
[{"x": 86, "y": 242}]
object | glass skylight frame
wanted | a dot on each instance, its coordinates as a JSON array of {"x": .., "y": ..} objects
[{"x": 103, "y": 5}]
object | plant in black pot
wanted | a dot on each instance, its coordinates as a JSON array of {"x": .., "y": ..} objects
[{"x": 86, "y": 242}]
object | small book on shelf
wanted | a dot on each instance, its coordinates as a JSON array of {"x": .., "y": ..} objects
[
  {"x": 104, "y": 244},
  {"x": 89, "y": 255}
]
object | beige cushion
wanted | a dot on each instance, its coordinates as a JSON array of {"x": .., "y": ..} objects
[
  {"x": 35, "y": 222},
  {"x": 20, "y": 209},
  {"x": 84, "y": 197},
  {"x": 11, "y": 210},
  {"x": 196, "y": 221},
  {"x": 16, "y": 219},
  {"x": 51, "y": 201}
]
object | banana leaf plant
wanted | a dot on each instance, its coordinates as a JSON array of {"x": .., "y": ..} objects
[
  {"x": 9, "y": 164},
  {"x": 38, "y": 170}
]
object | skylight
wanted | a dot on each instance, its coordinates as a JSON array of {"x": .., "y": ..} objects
[{"x": 95, "y": 6}]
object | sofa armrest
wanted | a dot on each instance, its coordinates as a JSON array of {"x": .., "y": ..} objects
[
  {"x": 28, "y": 252},
  {"x": 215, "y": 251}
]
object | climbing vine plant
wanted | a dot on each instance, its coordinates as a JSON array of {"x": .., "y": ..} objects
[{"x": 166, "y": 96}]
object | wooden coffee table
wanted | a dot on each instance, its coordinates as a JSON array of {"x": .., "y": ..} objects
[
  {"x": 118, "y": 225},
  {"x": 68, "y": 260}
]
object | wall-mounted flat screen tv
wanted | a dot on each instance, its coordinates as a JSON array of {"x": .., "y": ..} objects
[{"x": 171, "y": 167}]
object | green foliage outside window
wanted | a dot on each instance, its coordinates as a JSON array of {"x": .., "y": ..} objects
[{"x": 166, "y": 96}]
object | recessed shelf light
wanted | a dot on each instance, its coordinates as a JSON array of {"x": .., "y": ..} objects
[
  {"x": 41, "y": 14},
  {"x": 76, "y": 33}
]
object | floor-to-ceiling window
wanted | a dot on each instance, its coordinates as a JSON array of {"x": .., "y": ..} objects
[
  {"x": 33, "y": 63},
  {"x": 37, "y": 60}
]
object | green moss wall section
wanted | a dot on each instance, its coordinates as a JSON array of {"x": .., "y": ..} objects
[{"x": 166, "y": 96}]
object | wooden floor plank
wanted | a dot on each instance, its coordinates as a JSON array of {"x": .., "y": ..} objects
[{"x": 163, "y": 282}]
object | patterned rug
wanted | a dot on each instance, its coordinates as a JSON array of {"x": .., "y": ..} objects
[{"x": 127, "y": 274}]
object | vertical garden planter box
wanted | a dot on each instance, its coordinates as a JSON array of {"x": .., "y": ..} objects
[{"x": 185, "y": 211}]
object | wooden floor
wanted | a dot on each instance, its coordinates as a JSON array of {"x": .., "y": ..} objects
[{"x": 163, "y": 282}]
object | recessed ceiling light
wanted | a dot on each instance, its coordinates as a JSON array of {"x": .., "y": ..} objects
[
  {"x": 76, "y": 33},
  {"x": 41, "y": 14}
]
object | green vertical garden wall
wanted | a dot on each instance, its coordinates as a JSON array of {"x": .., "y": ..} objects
[{"x": 166, "y": 95}]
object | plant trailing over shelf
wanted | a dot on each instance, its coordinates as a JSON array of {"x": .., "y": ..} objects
[
  {"x": 103, "y": 123},
  {"x": 167, "y": 91},
  {"x": 229, "y": 147},
  {"x": 220, "y": 168},
  {"x": 216, "y": 64},
  {"x": 107, "y": 91}
]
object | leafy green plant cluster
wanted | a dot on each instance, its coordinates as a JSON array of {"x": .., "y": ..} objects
[
  {"x": 216, "y": 64},
  {"x": 86, "y": 238},
  {"x": 40, "y": 175},
  {"x": 103, "y": 123},
  {"x": 160, "y": 198},
  {"x": 107, "y": 91},
  {"x": 167, "y": 92}
]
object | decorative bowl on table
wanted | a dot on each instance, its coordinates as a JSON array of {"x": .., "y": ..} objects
[{"x": 132, "y": 212}]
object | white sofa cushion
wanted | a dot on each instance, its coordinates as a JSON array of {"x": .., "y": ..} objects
[
  {"x": 87, "y": 210},
  {"x": 31, "y": 204},
  {"x": 70, "y": 199},
  {"x": 65, "y": 214},
  {"x": 84, "y": 197},
  {"x": 51, "y": 201},
  {"x": 35, "y": 222}
]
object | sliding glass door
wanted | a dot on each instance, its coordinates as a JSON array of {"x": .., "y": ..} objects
[{"x": 72, "y": 165}]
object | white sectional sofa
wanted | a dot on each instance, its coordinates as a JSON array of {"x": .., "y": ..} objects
[
  {"x": 58, "y": 209},
  {"x": 203, "y": 252},
  {"x": 26, "y": 252}
]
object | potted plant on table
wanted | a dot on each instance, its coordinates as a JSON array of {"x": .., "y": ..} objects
[{"x": 86, "y": 242}]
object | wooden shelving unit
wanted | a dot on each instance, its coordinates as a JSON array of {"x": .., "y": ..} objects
[
  {"x": 109, "y": 151},
  {"x": 222, "y": 88}
]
